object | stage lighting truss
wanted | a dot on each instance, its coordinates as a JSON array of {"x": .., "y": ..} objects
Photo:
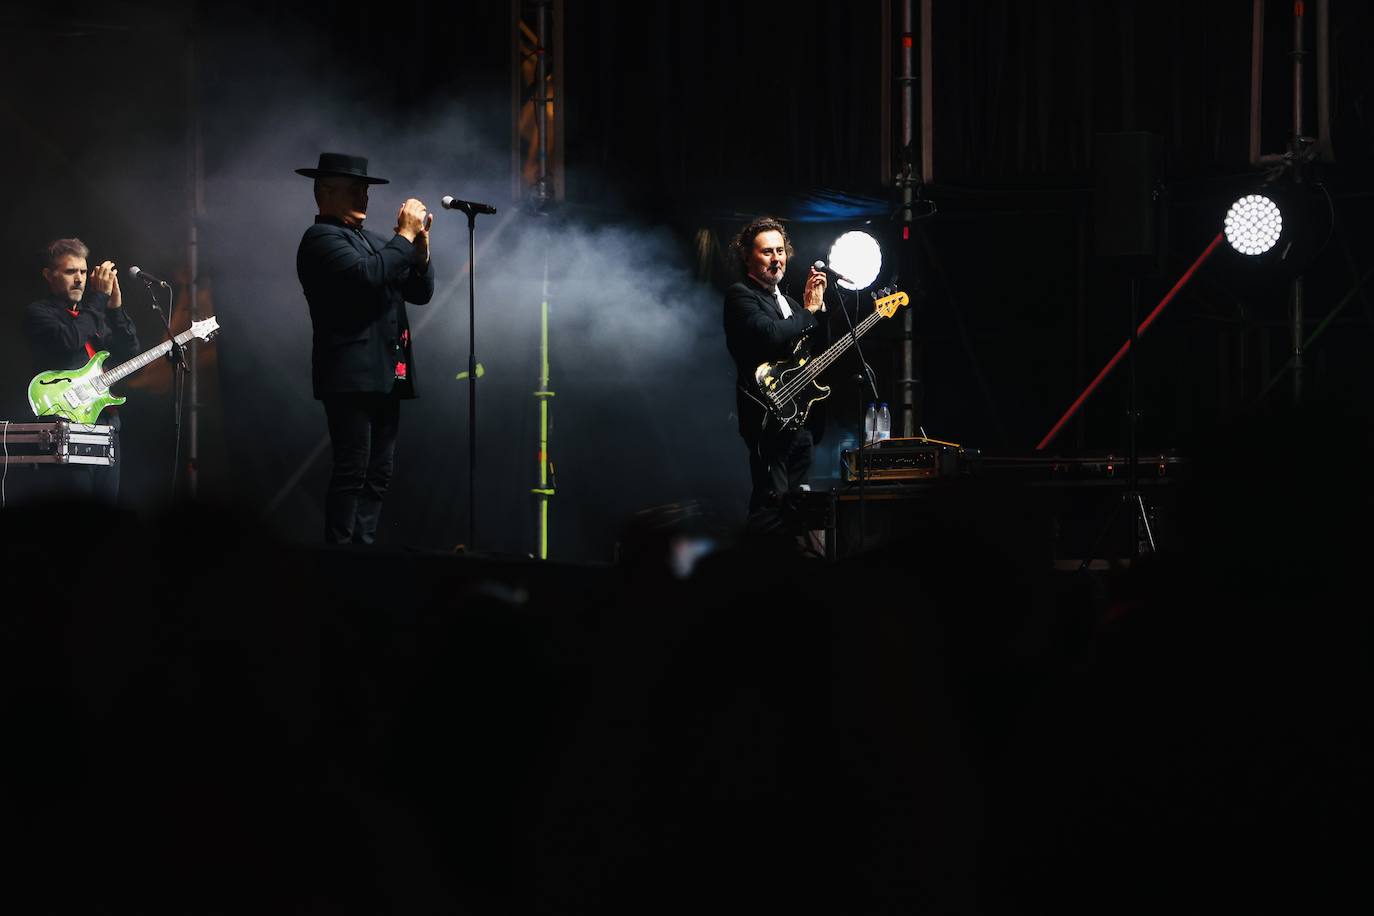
[
  {"x": 1253, "y": 225},
  {"x": 857, "y": 256}
]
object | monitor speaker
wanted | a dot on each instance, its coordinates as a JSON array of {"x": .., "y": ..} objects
[{"x": 1127, "y": 211}]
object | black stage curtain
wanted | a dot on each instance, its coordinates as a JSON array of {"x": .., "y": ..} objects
[{"x": 676, "y": 101}]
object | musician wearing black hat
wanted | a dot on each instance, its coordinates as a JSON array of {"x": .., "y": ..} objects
[{"x": 357, "y": 284}]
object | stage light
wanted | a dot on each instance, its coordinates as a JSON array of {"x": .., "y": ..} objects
[
  {"x": 1277, "y": 229},
  {"x": 856, "y": 255},
  {"x": 1253, "y": 225}
]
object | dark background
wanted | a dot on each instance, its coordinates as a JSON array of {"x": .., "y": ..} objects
[
  {"x": 681, "y": 121},
  {"x": 204, "y": 718}
]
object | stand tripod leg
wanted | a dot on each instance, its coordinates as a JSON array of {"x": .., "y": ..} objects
[
  {"x": 1139, "y": 517},
  {"x": 1145, "y": 520}
]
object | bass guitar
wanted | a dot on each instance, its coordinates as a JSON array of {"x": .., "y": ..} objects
[
  {"x": 787, "y": 389},
  {"x": 81, "y": 394}
]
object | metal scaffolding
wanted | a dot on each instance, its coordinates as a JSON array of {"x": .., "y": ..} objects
[
  {"x": 195, "y": 209},
  {"x": 537, "y": 175},
  {"x": 915, "y": 166}
]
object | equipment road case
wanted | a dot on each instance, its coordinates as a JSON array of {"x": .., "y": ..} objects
[{"x": 56, "y": 442}]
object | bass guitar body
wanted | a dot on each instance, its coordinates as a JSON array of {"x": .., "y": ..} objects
[
  {"x": 787, "y": 393},
  {"x": 787, "y": 389},
  {"x": 72, "y": 394}
]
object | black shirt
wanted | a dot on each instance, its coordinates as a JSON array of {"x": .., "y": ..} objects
[{"x": 57, "y": 337}]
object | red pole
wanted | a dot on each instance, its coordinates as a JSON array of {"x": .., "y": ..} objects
[{"x": 1140, "y": 331}]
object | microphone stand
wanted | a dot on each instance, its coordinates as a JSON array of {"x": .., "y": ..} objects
[
  {"x": 867, "y": 374},
  {"x": 1131, "y": 499},
  {"x": 471, "y": 212},
  {"x": 176, "y": 355}
]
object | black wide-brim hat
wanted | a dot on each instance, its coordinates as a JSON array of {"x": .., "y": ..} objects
[{"x": 342, "y": 165}]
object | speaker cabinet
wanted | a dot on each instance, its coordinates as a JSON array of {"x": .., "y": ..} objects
[{"x": 1127, "y": 210}]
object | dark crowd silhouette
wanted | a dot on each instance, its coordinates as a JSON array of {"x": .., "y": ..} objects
[{"x": 199, "y": 720}]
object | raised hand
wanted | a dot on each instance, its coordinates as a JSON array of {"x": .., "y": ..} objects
[
  {"x": 116, "y": 297},
  {"x": 410, "y": 220},
  {"x": 814, "y": 296},
  {"x": 422, "y": 239},
  {"x": 102, "y": 278}
]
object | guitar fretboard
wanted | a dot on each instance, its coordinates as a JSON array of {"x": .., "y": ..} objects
[
  {"x": 106, "y": 379},
  {"x": 836, "y": 350}
]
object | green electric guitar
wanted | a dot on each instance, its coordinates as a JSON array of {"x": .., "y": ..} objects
[{"x": 81, "y": 394}]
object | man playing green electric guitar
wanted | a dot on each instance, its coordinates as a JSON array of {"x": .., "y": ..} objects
[
  {"x": 79, "y": 326},
  {"x": 82, "y": 315},
  {"x": 79, "y": 395}
]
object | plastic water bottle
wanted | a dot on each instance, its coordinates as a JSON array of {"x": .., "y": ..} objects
[
  {"x": 884, "y": 428},
  {"x": 871, "y": 424}
]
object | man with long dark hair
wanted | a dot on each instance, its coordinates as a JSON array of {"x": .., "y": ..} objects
[{"x": 762, "y": 324}]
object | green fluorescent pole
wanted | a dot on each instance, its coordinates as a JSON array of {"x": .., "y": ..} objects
[{"x": 545, "y": 490}]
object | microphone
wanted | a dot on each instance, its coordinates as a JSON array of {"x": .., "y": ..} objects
[
  {"x": 148, "y": 278},
  {"x": 821, "y": 265},
  {"x": 467, "y": 206}
]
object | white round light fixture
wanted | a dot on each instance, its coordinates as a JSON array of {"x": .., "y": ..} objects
[
  {"x": 1253, "y": 225},
  {"x": 857, "y": 256}
]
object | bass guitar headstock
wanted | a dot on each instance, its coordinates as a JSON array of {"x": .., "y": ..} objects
[{"x": 886, "y": 301}]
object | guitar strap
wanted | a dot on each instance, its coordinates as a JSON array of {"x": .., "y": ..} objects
[
  {"x": 111, "y": 411},
  {"x": 90, "y": 350}
]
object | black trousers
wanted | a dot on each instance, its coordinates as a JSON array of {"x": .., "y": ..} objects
[
  {"x": 362, "y": 431},
  {"x": 779, "y": 463}
]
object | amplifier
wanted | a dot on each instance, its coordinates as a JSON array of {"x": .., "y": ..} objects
[
  {"x": 1064, "y": 498},
  {"x": 907, "y": 459},
  {"x": 1083, "y": 466},
  {"x": 56, "y": 442}
]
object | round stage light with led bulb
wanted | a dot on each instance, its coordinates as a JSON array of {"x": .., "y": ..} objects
[
  {"x": 857, "y": 256},
  {"x": 1253, "y": 225}
]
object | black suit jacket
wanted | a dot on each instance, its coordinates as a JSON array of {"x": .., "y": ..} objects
[
  {"x": 357, "y": 284},
  {"x": 756, "y": 332}
]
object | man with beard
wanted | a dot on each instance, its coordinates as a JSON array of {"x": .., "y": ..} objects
[
  {"x": 81, "y": 315},
  {"x": 357, "y": 283},
  {"x": 763, "y": 325}
]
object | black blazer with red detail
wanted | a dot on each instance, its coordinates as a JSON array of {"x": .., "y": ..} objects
[{"x": 357, "y": 284}]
